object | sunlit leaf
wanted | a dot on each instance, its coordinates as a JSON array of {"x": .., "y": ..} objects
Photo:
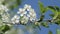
[
  {"x": 53, "y": 9},
  {"x": 42, "y": 8}
]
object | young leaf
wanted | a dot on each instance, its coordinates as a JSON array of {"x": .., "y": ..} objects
[
  {"x": 53, "y": 9},
  {"x": 42, "y": 8}
]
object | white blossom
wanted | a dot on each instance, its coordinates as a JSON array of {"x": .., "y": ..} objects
[
  {"x": 3, "y": 9},
  {"x": 28, "y": 11},
  {"x": 32, "y": 14},
  {"x": 24, "y": 20},
  {"x": 26, "y": 6},
  {"x": 15, "y": 19},
  {"x": 21, "y": 11},
  {"x": 5, "y": 18}
]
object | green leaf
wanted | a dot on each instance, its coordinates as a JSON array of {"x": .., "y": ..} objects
[
  {"x": 58, "y": 17},
  {"x": 50, "y": 32},
  {"x": 59, "y": 13},
  {"x": 45, "y": 24},
  {"x": 58, "y": 31},
  {"x": 57, "y": 8},
  {"x": 57, "y": 21},
  {"x": 52, "y": 15},
  {"x": 4, "y": 28},
  {"x": 53, "y": 9},
  {"x": 41, "y": 18},
  {"x": 42, "y": 8}
]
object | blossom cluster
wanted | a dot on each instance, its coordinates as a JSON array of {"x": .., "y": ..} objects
[
  {"x": 3, "y": 9},
  {"x": 4, "y": 15},
  {"x": 4, "y": 12},
  {"x": 24, "y": 15},
  {"x": 15, "y": 19}
]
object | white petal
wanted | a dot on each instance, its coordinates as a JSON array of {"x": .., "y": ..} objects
[
  {"x": 15, "y": 16},
  {"x": 17, "y": 21},
  {"x": 21, "y": 14},
  {"x": 20, "y": 9},
  {"x": 28, "y": 9},
  {"x": 12, "y": 19},
  {"x": 18, "y": 17},
  {"x": 25, "y": 12},
  {"x": 18, "y": 12}
]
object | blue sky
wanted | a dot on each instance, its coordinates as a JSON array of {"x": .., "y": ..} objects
[{"x": 34, "y": 4}]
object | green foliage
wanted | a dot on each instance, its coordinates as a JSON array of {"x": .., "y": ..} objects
[
  {"x": 52, "y": 15},
  {"x": 55, "y": 13},
  {"x": 4, "y": 28},
  {"x": 58, "y": 31},
  {"x": 42, "y": 8},
  {"x": 57, "y": 22},
  {"x": 45, "y": 24},
  {"x": 57, "y": 8}
]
